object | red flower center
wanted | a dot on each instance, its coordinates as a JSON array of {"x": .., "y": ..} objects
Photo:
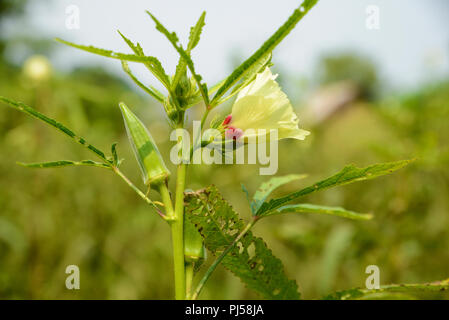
[{"x": 233, "y": 133}]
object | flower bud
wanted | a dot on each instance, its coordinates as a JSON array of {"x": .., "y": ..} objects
[
  {"x": 172, "y": 112},
  {"x": 152, "y": 165},
  {"x": 183, "y": 87},
  {"x": 186, "y": 92}
]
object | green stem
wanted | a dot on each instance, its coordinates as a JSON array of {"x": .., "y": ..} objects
[
  {"x": 177, "y": 230},
  {"x": 166, "y": 199},
  {"x": 189, "y": 278},
  {"x": 137, "y": 190},
  {"x": 218, "y": 260},
  {"x": 177, "y": 227},
  {"x": 203, "y": 119}
]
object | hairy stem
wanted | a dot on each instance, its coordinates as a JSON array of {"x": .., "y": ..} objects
[{"x": 220, "y": 258}]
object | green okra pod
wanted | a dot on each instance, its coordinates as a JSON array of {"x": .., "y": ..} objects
[{"x": 151, "y": 163}]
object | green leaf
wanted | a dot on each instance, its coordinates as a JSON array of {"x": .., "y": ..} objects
[
  {"x": 115, "y": 159},
  {"x": 154, "y": 66},
  {"x": 245, "y": 191},
  {"x": 173, "y": 38},
  {"x": 108, "y": 53},
  {"x": 359, "y": 293},
  {"x": 216, "y": 86},
  {"x": 195, "y": 32},
  {"x": 151, "y": 62},
  {"x": 151, "y": 91},
  {"x": 265, "y": 49},
  {"x": 194, "y": 38},
  {"x": 269, "y": 186},
  {"x": 145, "y": 149},
  {"x": 253, "y": 71},
  {"x": 348, "y": 175},
  {"x": 312, "y": 208},
  {"x": 250, "y": 259},
  {"x": 64, "y": 163},
  {"x": 211, "y": 90},
  {"x": 249, "y": 77},
  {"x": 36, "y": 114}
]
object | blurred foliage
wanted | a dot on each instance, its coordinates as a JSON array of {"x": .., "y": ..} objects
[
  {"x": 9, "y": 9},
  {"x": 356, "y": 68}
]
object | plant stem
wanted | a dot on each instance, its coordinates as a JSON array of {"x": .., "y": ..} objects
[
  {"x": 203, "y": 119},
  {"x": 218, "y": 260},
  {"x": 177, "y": 242},
  {"x": 137, "y": 190},
  {"x": 177, "y": 227},
  {"x": 189, "y": 278},
  {"x": 166, "y": 200}
]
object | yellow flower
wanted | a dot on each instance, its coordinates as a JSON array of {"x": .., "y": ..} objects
[{"x": 263, "y": 105}]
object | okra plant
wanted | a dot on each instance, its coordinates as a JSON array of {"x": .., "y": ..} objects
[{"x": 202, "y": 221}]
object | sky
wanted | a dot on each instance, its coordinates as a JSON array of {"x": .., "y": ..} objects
[{"x": 411, "y": 45}]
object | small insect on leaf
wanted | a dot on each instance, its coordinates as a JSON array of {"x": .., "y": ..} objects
[{"x": 151, "y": 163}]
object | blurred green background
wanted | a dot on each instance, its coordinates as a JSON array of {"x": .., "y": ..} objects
[{"x": 86, "y": 216}]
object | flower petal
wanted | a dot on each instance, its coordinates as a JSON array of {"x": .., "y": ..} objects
[{"x": 263, "y": 105}]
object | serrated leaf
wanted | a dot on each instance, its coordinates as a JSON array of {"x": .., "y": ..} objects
[
  {"x": 173, "y": 38},
  {"x": 250, "y": 259},
  {"x": 252, "y": 73},
  {"x": 216, "y": 86},
  {"x": 195, "y": 32},
  {"x": 155, "y": 66},
  {"x": 359, "y": 293},
  {"x": 59, "y": 126},
  {"x": 194, "y": 38},
  {"x": 151, "y": 91},
  {"x": 260, "y": 66},
  {"x": 312, "y": 208},
  {"x": 349, "y": 174},
  {"x": 151, "y": 62},
  {"x": 64, "y": 163},
  {"x": 108, "y": 53},
  {"x": 269, "y": 186},
  {"x": 265, "y": 49}
]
